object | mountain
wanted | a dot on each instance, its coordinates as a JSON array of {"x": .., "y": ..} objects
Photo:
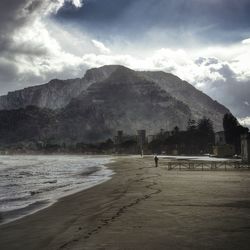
[
  {"x": 123, "y": 101},
  {"x": 25, "y": 125},
  {"x": 199, "y": 103},
  {"x": 105, "y": 100},
  {"x": 54, "y": 94}
]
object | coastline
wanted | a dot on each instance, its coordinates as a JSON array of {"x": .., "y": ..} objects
[
  {"x": 89, "y": 180},
  {"x": 142, "y": 207}
]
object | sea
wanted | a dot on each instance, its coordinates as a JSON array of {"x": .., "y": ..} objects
[{"x": 29, "y": 183}]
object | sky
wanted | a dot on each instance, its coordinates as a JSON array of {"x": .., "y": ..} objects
[{"x": 206, "y": 43}]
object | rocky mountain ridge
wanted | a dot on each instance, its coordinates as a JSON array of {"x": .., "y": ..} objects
[
  {"x": 105, "y": 100},
  {"x": 54, "y": 94}
]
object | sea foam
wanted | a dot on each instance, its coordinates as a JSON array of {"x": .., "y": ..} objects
[{"x": 29, "y": 183}]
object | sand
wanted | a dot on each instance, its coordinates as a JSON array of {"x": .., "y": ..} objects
[{"x": 143, "y": 207}]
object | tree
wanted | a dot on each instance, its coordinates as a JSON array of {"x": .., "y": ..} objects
[
  {"x": 108, "y": 144},
  {"x": 233, "y": 131},
  {"x": 198, "y": 138},
  {"x": 176, "y": 130},
  {"x": 205, "y": 134},
  {"x": 230, "y": 125},
  {"x": 190, "y": 137},
  {"x": 205, "y": 126},
  {"x": 191, "y": 125},
  {"x": 229, "y": 122}
]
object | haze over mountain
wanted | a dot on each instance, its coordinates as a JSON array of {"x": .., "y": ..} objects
[{"x": 106, "y": 99}]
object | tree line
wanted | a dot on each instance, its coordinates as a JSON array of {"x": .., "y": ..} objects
[
  {"x": 233, "y": 131},
  {"x": 196, "y": 139},
  {"x": 199, "y": 137}
]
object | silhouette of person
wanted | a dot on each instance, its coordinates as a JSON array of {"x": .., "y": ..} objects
[
  {"x": 156, "y": 161},
  {"x": 142, "y": 153}
]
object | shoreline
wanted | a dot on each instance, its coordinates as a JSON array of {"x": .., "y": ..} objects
[
  {"x": 142, "y": 207},
  {"x": 7, "y": 217}
]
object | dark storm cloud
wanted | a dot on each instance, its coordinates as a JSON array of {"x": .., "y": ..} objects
[
  {"x": 14, "y": 15},
  {"x": 104, "y": 11},
  {"x": 214, "y": 20},
  {"x": 7, "y": 71}
]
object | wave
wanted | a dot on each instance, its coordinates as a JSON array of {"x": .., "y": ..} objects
[
  {"x": 49, "y": 178},
  {"x": 90, "y": 171},
  {"x": 8, "y": 216},
  {"x": 20, "y": 198}
]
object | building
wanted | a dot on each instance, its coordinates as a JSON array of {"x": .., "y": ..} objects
[
  {"x": 225, "y": 150},
  {"x": 221, "y": 148},
  {"x": 151, "y": 138},
  {"x": 220, "y": 138},
  {"x": 245, "y": 147},
  {"x": 164, "y": 134},
  {"x": 141, "y": 137},
  {"x": 168, "y": 134},
  {"x": 118, "y": 138}
]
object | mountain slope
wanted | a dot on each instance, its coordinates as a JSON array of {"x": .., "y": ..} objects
[
  {"x": 25, "y": 125},
  {"x": 199, "y": 103},
  {"x": 123, "y": 101},
  {"x": 55, "y": 94},
  {"x": 107, "y": 99}
]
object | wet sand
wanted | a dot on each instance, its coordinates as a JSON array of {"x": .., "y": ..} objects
[{"x": 143, "y": 207}]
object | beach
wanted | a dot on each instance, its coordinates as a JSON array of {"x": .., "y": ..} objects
[{"x": 143, "y": 207}]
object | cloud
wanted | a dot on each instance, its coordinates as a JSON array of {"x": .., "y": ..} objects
[
  {"x": 223, "y": 77},
  {"x": 77, "y": 3},
  {"x": 35, "y": 48},
  {"x": 174, "y": 22},
  {"x": 246, "y": 41},
  {"x": 245, "y": 121},
  {"x": 26, "y": 45},
  {"x": 101, "y": 47}
]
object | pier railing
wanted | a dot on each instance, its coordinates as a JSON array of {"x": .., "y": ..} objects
[{"x": 210, "y": 165}]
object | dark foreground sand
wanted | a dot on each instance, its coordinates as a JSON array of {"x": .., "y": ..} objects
[{"x": 143, "y": 207}]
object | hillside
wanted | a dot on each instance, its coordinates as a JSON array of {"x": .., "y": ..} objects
[{"x": 105, "y": 100}]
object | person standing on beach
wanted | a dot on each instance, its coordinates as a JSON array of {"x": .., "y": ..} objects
[
  {"x": 156, "y": 161},
  {"x": 142, "y": 153}
]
